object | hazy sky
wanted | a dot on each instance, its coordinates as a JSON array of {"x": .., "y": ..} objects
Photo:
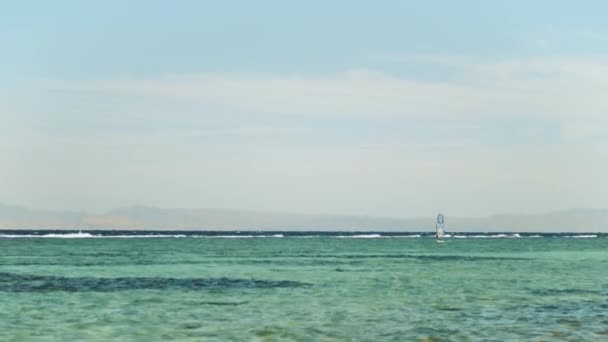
[{"x": 398, "y": 108}]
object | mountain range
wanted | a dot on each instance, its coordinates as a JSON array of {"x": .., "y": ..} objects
[{"x": 145, "y": 217}]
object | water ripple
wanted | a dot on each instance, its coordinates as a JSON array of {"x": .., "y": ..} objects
[{"x": 12, "y": 282}]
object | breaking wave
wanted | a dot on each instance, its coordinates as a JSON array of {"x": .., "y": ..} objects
[
  {"x": 81, "y": 235},
  {"x": 589, "y": 236},
  {"x": 377, "y": 236},
  {"x": 360, "y": 236},
  {"x": 489, "y": 236},
  {"x": 78, "y": 235},
  {"x": 143, "y": 234}
]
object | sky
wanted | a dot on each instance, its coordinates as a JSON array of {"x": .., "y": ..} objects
[{"x": 379, "y": 108}]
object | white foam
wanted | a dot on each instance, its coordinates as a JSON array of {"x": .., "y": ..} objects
[
  {"x": 238, "y": 236},
  {"x": 502, "y": 236},
  {"x": 591, "y": 236},
  {"x": 225, "y": 236},
  {"x": 405, "y": 236},
  {"x": 81, "y": 235},
  {"x": 360, "y": 236},
  {"x": 17, "y": 236},
  {"x": 142, "y": 236},
  {"x": 367, "y": 236},
  {"x": 495, "y": 236},
  {"x": 535, "y": 236}
]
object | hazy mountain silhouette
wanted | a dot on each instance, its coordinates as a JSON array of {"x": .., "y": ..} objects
[{"x": 143, "y": 217}]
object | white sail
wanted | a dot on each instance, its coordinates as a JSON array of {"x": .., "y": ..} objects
[{"x": 439, "y": 227}]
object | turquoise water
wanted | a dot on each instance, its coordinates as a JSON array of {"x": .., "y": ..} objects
[{"x": 304, "y": 288}]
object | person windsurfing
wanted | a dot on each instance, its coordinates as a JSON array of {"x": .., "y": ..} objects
[{"x": 439, "y": 224}]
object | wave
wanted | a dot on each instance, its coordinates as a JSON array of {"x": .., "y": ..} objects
[
  {"x": 516, "y": 235},
  {"x": 274, "y": 235},
  {"x": 98, "y": 234},
  {"x": 494, "y": 236},
  {"x": 376, "y": 236},
  {"x": 81, "y": 235},
  {"x": 78, "y": 235},
  {"x": 360, "y": 236},
  {"x": 33, "y": 283},
  {"x": 238, "y": 236},
  {"x": 142, "y": 236},
  {"x": 590, "y": 236},
  {"x": 224, "y": 236},
  {"x": 413, "y": 236}
]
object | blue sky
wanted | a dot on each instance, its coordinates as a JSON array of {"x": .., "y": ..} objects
[
  {"x": 79, "y": 39},
  {"x": 396, "y": 108}
]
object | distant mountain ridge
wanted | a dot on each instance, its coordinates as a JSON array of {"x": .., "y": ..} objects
[{"x": 144, "y": 217}]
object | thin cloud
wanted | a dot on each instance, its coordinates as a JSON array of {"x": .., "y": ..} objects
[{"x": 555, "y": 88}]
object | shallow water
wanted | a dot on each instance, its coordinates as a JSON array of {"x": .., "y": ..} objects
[{"x": 303, "y": 287}]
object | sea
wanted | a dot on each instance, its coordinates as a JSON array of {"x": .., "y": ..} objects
[{"x": 302, "y": 286}]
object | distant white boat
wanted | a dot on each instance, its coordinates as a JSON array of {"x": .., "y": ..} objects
[{"x": 439, "y": 228}]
